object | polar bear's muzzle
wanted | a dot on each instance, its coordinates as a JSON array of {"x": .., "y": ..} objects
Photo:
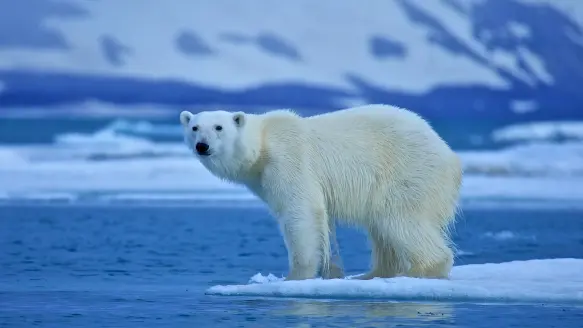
[{"x": 202, "y": 148}]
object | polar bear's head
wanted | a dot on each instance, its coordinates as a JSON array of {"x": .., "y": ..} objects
[
  {"x": 212, "y": 133},
  {"x": 220, "y": 140}
]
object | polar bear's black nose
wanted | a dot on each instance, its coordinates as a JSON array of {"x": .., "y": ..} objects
[{"x": 202, "y": 148}]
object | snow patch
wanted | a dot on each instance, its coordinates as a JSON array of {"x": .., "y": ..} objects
[
  {"x": 540, "y": 131},
  {"x": 506, "y": 235}
]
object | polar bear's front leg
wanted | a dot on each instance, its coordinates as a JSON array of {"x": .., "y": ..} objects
[
  {"x": 302, "y": 239},
  {"x": 295, "y": 199}
]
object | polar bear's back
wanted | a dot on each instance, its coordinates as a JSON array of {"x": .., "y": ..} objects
[{"x": 376, "y": 159}]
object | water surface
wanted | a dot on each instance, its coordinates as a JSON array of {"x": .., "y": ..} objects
[{"x": 145, "y": 266}]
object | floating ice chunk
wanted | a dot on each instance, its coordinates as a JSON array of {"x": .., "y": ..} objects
[{"x": 541, "y": 281}]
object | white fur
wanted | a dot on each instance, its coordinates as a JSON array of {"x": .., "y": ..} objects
[{"x": 378, "y": 167}]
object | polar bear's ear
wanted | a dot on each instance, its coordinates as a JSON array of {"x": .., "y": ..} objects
[
  {"x": 185, "y": 117},
  {"x": 239, "y": 119}
]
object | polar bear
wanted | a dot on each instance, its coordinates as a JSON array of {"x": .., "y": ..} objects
[{"x": 378, "y": 167}]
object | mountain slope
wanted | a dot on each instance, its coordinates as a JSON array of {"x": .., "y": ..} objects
[{"x": 512, "y": 59}]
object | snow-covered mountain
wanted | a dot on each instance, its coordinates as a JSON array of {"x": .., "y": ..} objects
[{"x": 508, "y": 59}]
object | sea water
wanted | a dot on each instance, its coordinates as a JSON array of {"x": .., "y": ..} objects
[{"x": 146, "y": 266}]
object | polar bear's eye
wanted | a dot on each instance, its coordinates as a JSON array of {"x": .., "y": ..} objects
[
  {"x": 218, "y": 128},
  {"x": 195, "y": 128}
]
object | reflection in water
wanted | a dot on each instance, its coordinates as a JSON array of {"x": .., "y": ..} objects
[{"x": 360, "y": 314}]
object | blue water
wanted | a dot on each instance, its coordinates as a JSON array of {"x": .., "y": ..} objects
[
  {"x": 146, "y": 266},
  {"x": 471, "y": 134}
]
